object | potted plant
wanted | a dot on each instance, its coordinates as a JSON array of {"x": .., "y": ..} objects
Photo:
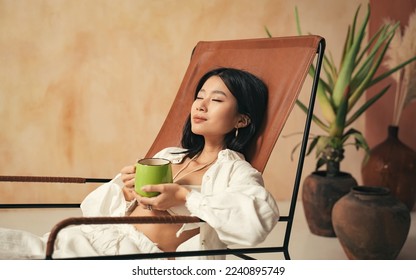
[{"x": 339, "y": 90}]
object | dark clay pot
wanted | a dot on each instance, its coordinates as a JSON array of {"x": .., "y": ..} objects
[
  {"x": 392, "y": 164},
  {"x": 319, "y": 194},
  {"x": 371, "y": 224}
]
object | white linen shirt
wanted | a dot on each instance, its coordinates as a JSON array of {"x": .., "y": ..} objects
[{"x": 233, "y": 203}]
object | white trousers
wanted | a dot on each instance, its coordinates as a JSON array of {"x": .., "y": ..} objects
[{"x": 76, "y": 241}]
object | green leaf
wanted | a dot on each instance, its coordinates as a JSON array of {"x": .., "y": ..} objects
[
  {"x": 320, "y": 162},
  {"x": 360, "y": 141},
  {"x": 348, "y": 64},
  {"x": 346, "y": 47},
  {"x": 325, "y": 104},
  {"x": 330, "y": 73},
  {"x": 333, "y": 72},
  {"x": 268, "y": 32},
  {"x": 298, "y": 145},
  {"x": 364, "y": 73},
  {"x": 337, "y": 127},
  {"x": 366, "y": 105},
  {"x": 294, "y": 150},
  {"x": 313, "y": 144},
  {"x": 370, "y": 43},
  {"x": 359, "y": 91},
  {"x": 297, "y": 21},
  {"x": 391, "y": 71},
  {"x": 354, "y": 23},
  {"x": 321, "y": 145},
  {"x": 314, "y": 117}
]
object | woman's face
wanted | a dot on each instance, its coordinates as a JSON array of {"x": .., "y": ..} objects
[{"x": 214, "y": 111}]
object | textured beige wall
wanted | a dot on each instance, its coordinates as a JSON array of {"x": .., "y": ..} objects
[{"x": 85, "y": 85}]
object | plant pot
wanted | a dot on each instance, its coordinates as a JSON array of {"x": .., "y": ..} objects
[
  {"x": 392, "y": 164},
  {"x": 319, "y": 194},
  {"x": 371, "y": 224}
]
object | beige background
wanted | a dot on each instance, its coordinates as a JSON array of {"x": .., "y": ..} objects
[{"x": 85, "y": 85}]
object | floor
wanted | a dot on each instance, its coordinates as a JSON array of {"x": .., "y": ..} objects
[{"x": 303, "y": 244}]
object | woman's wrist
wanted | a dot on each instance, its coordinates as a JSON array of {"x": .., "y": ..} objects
[
  {"x": 183, "y": 194},
  {"x": 128, "y": 195}
]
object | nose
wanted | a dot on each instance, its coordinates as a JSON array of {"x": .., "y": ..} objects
[{"x": 201, "y": 106}]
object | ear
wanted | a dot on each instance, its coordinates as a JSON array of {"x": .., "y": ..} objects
[{"x": 243, "y": 121}]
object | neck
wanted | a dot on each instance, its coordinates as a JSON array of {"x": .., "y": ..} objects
[{"x": 210, "y": 152}]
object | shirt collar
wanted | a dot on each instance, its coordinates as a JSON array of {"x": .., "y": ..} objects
[{"x": 223, "y": 155}]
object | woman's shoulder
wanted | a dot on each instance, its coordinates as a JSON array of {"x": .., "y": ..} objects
[
  {"x": 237, "y": 159},
  {"x": 228, "y": 154},
  {"x": 239, "y": 169}
]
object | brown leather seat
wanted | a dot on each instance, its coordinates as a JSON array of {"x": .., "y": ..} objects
[{"x": 283, "y": 63}]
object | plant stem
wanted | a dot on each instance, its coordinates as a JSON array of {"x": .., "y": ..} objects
[
  {"x": 399, "y": 98},
  {"x": 332, "y": 168}
]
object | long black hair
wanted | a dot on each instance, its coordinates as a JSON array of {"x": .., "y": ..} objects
[{"x": 251, "y": 94}]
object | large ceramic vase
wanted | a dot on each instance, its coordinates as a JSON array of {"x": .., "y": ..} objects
[
  {"x": 371, "y": 224},
  {"x": 392, "y": 164},
  {"x": 319, "y": 194}
]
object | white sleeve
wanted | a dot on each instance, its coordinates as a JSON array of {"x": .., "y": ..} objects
[
  {"x": 106, "y": 200},
  {"x": 241, "y": 213}
]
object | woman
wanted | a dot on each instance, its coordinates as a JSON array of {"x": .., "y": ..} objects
[{"x": 211, "y": 181}]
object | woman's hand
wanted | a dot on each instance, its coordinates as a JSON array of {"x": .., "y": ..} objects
[
  {"x": 170, "y": 195},
  {"x": 127, "y": 176}
]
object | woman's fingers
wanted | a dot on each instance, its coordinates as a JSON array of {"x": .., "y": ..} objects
[
  {"x": 127, "y": 175},
  {"x": 170, "y": 195}
]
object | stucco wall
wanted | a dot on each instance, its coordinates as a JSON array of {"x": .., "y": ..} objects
[{"x": 85, "y": 85}]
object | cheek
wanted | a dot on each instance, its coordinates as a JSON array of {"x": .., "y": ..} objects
[
  {"x": 229, "y": 119},
  {"x": 232, "y": 114},
  {"x": 193, "y": 106}
]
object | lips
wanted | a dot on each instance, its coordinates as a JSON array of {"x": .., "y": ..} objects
[{"x": 198, "y": 119}]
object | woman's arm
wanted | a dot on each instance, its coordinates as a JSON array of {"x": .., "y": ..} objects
[
  {"x": 106, "y": 200},
  {"x": 236, "y": 204},
  {"x": 111, "y": 199}
]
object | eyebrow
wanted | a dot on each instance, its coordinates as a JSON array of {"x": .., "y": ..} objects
[
  {"x": 215, "y": 92},
  {"x": 219, "y": 92}
]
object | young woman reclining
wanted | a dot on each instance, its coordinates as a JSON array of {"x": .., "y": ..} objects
[{"x": 212, "y": 181}]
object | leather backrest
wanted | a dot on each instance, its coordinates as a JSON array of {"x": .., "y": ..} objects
[{"x": 282, "y": 63}]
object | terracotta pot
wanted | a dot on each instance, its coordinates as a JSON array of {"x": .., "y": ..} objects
[
  {"x": 392, "y": 164},
  {"x": 319, "y": 194},
  {"x": 371, "y": 224}
]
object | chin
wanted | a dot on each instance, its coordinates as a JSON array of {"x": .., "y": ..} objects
[{"x": 197, "y": 132}]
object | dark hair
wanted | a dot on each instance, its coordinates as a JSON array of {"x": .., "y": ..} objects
[{"x": 251, "y": 95}]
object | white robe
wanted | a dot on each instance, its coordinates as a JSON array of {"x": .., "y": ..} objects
[{"x": 235, "y": 207}]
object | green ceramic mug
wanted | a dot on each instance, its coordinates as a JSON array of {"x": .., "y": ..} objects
[{"x": 152, "y": 171}]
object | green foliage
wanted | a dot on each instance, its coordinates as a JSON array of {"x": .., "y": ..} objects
[{"x": 340, "y": 88}]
